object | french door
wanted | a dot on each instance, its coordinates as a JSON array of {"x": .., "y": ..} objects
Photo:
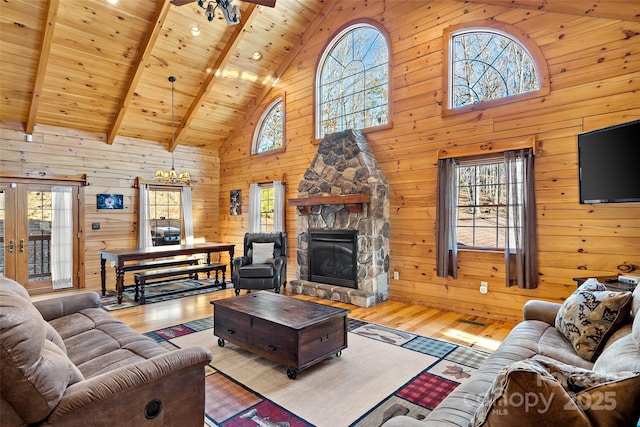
[{"x": 39, "y": 233}]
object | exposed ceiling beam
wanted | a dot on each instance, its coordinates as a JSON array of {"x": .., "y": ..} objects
[
  {"x": 52, "y": 13},
  {"x": 147, "y": 45},
  {"x": 220, "y": 62},
  {"x": 284, "y": 66},
  {"x": 612, "y": 9}
]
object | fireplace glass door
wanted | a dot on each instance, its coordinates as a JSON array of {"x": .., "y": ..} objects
[{"x": 333, "y": 257}]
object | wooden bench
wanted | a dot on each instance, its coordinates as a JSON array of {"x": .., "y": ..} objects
[
  {"x": 142, "y": 278},
  {"x": 159, "y": 264}
]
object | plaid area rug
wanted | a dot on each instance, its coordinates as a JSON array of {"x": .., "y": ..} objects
[
  {"x": 158, "y": 292},
  {"x": 382, "y": 373}
]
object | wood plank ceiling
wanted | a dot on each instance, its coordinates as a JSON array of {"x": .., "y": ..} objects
[
  {"x": 96, "y": 66},
  {"x": 101, "y": 67}
]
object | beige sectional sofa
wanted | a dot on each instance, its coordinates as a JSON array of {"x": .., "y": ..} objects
[
  {"x": 512, "y": 388},
  {"x": 66, "y": 361}
]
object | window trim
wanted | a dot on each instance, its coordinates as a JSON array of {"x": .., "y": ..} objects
[
  {"x": 260, "y": 122},
  {"x": 330, "y": 44},
  {"x": 506, "y": 30},
  {"x": 177, "y": 189}
]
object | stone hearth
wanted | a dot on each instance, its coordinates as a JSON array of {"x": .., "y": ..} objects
[{"x": 345, "y": 189}]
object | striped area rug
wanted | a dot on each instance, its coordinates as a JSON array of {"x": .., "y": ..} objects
[{"x": 384, "y": 372}]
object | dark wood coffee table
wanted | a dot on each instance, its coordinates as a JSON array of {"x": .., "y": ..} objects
[{"x": 289, "y": 331}]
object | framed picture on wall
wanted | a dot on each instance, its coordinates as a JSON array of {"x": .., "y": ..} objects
[
  {"x": 235, "y": 202},
  {"x": 110, "y": 201}
]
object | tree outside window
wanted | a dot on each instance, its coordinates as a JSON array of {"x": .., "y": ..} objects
[
  {"x": 270, "y": 131},
  {"x": 486, "y": 65},
  {"x": 165, "y": 212},
  {"x": 482, "y": 206},
  {"x": 353, "y": 81},
  {"x": 267, "y": 208}
]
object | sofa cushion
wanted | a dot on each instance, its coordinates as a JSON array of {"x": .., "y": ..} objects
[
  {"x": 263, "y": 253},
  {"x": 590, "y": 314},
  {"x": 622, "y": 355},
  {"x": 532, "y": 392},
  {"x": 32, "y": 359}
]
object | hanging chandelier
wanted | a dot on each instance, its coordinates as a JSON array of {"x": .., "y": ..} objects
[
  {"x": 231, "y": 13},
  {"x": 171, "y": 177}
]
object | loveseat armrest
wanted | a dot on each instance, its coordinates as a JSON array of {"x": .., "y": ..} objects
[
  {"x": 541, "y": 310},
  {"x": 62, "y": 306},
  {"x": 121, "y": 396}
]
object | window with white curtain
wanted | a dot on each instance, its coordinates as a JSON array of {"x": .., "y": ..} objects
[
  {"x": 166, "y": 216},
  {"x": 266, "y": 207}
]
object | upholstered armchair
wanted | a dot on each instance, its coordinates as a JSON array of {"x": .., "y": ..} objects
[{"x": 264, "y": 264}]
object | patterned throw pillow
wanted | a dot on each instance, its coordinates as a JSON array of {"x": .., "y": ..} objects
[{"x": 590, "y": 315}]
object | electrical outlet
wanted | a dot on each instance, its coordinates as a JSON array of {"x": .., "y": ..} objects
[
  {"x": 396, "y": 275},
  {"x": 484, "y": 287},
  {"x": 113, "y": 263}
]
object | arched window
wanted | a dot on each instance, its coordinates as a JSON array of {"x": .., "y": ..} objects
[
  {"x": 487, "y": 64},
  {"x": 352, "y": 81},
  {"x": 269, "y": 133}
]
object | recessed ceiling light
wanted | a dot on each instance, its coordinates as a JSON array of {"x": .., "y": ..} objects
[
  {"x": 256, "y": 56},
  {"x": 195, "y": 30}
]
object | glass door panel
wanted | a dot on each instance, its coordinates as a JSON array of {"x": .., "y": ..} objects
[{"x": 26, "y": 226}]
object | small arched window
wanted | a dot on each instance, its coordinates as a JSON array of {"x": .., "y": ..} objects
[
  {"x": 352, "y": 82},
  {"x": 487, "y": 64},
  {"x": 269, "y": 133}
]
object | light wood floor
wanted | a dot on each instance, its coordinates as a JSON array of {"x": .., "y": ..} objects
[{"x": 472, "y": 331}]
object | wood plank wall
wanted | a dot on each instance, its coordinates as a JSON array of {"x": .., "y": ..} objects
[
  {"x": 111, "y": 169},
  {"x": 594, "y": 66}
]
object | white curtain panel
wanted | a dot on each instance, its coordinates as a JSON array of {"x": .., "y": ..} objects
[
  {"x": 187, "y": 215},
  {"x": 278, "y": 192},
  {"x": 254, "y": 208},
  {"x": 62, "y": 237},
  {"x": 144, "y": 222}
]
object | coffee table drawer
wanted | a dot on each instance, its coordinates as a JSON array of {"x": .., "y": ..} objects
[
  {"x": 275, "y": 342},
  {"x": 319, "y": 340},
  {"x": 231, "y": 325}
]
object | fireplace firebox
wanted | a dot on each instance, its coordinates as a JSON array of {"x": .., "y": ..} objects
[{"x": 333, "y": 257}]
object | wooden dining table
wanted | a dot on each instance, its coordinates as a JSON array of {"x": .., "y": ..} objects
[{"x": 120, "y": 258}]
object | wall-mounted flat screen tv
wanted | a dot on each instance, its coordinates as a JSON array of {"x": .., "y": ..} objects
[{"x": 609, "y": 161}]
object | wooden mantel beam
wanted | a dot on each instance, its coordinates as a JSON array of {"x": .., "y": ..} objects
[{"x": 353, "y": 202}]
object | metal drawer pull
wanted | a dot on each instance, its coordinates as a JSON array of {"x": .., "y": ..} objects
[
  {"x": 324, "y": 339},
  {"x": 272, "y": 348},
  {"x": 231, "y": 331}
]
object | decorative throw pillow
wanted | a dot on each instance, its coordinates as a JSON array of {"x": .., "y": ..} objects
[
  {"x": 263, "y": 253},
  {"x": 544, "y": 392},
  {"x": 590, "y": 314}
]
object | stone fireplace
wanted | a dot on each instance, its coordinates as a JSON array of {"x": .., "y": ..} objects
[{"x": 344, "y": 191}]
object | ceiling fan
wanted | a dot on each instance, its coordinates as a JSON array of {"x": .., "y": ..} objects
[
  {"x": 230, "y": 13},
  {"x": 268, "y": 3}
]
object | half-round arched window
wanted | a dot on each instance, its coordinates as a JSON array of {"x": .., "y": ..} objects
[
  {"x": 487, "y": 64},
  {"x": 352, "y": 81},
  {"x": 269, "y": 133}
]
